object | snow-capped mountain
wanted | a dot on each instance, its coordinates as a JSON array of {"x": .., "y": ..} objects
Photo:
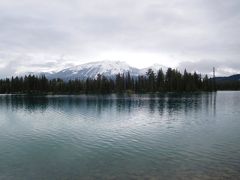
[
  {"x": 106, "y": 68},
  {"x": 91, "y": 70}
]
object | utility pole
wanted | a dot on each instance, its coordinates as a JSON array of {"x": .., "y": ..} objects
[
  {"x": 214, "y": 80},
  {"x": 213, "y": 72}
]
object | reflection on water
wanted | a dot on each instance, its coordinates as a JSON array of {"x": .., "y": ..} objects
[
  {"x": 155, "y": 102},
  {"x": 148, "y": 136}
]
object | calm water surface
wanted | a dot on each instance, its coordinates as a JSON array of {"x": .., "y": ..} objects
[{"x": 166, "y": 136}]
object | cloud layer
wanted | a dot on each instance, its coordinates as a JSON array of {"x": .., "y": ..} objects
[{"x": 43, "y": 35}]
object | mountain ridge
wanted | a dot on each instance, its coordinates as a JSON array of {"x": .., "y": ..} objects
[
  {"x": 235, "y": 77},
  {"x": 110, "y": 69},
  {"x": 107, "y": 68}
]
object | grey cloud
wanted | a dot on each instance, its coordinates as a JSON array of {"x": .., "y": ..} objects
[
  {"x": 205, "y": 66},
  {"x": 18, "y": 63},
  {"x": 188, "y": 30}
]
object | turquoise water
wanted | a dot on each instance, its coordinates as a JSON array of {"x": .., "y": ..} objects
[{"x": 165, "y": 136}]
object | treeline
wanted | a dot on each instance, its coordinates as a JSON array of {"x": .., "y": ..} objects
[
  {"x": 228, "y": 85},
  {"x": 171, "y": 81}
]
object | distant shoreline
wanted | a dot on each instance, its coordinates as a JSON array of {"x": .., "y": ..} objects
[
  {"x": 118, "y": 94},
  {"x": 160, "y": 82}
]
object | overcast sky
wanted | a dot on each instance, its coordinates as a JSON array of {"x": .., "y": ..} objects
[{"x": 38, "y": 35}]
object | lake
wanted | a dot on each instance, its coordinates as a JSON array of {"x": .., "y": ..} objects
[{"x": 162, "y": 136}]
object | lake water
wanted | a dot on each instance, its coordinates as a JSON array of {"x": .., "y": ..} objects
[{"x": 166, "y": 136}]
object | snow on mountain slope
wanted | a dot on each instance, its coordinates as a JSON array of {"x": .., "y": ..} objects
[{"x": 91, "y": 70}]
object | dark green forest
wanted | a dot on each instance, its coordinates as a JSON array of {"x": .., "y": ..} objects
[{"x": 171, "y": 81}]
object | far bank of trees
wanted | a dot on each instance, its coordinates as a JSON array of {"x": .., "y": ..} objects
[{"x": 171, "y": 81}]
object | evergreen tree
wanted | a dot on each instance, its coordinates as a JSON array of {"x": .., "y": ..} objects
[
  {"x": 160, "y": 80},
  {"x": 173, "y": 80}
]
